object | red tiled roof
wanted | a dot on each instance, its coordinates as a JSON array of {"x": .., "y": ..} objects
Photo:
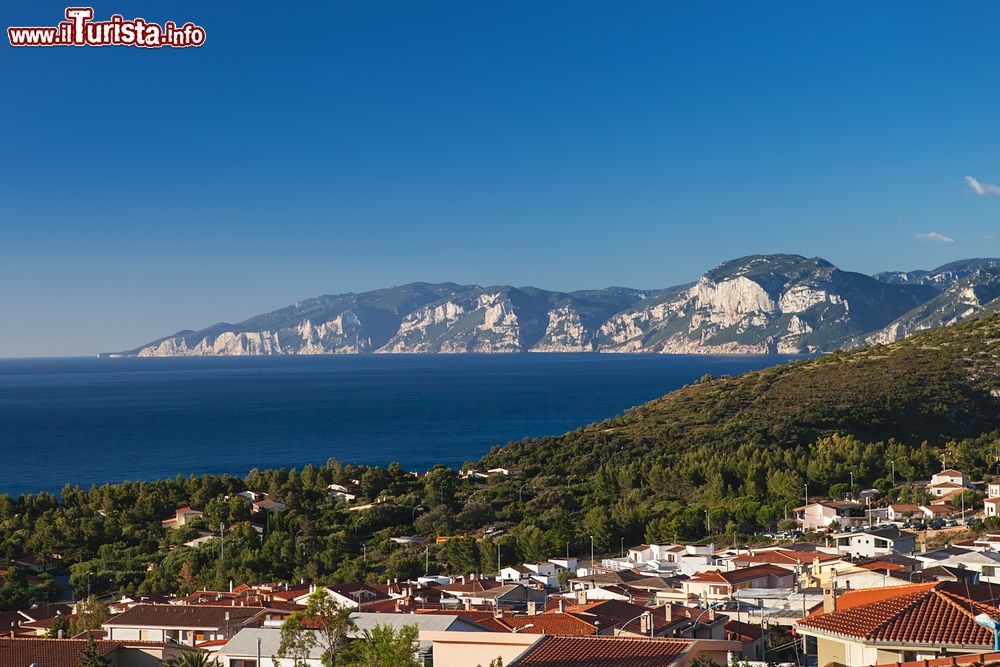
[
  {"x": 743, "y": 632},
  {"x": 183, "y": 616},
  {"x": 547, "y": 624},
  {"x": 938, "y": 613},
  {"x": 970, "y": 659},
  {"x": 784, "y": 556},
  {"x": 55, "y": 652},
  {"x": 596, "y": 651},
  {"x": 734, "y": 576}
]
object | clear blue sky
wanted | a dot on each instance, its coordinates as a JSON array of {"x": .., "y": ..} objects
[{"x": 335, "y": 146}]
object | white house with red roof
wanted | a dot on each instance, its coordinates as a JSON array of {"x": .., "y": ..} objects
[
  {"x": 182, "y": 517},
  {"x": 718, "y": 585},
  {"x": 820, "y": 515},
  {"x": 901, "y": 624}
]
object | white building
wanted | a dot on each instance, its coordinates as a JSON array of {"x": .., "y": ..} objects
[{"x": 878, "y": 542}]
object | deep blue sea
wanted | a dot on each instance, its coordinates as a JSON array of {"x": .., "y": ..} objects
[{"x": 86, "y": 420}]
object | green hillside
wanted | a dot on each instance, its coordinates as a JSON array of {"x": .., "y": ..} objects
[{"x": 750, "y": 444}]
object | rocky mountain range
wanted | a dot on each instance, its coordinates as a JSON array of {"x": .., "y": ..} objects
[{"x": 755, "y": 304}]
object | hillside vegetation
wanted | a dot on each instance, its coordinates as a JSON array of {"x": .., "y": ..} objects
[{"x": 721, "y": 459}]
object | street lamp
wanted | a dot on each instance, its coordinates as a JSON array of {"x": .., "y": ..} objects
[
  {"x": 522, "y": 489},
  {"x": 413, "y": 514},
  {"x": 523, "y": 627},
  {"x": 645, "y": 613}
]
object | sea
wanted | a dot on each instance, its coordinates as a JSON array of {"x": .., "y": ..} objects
[{"x": 84, "y": 421}]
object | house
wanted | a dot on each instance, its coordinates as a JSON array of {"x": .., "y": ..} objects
[
  {"x": 182, "y": 517},
  {"x": 66, "y": 652},
  {"x": 993, "y": 489},
  {"x": 181, "y": 624},
  {"x": 242, "y": 649},
  {"x": 354, "y": 595},
  {"x": 508, "y": 596},
  {"x": 462, "y": 649},
  {"x": 945, "y": 489},
  {"x": 902, "y": 513},
  {"x": 931, "y": 512},
  {"x": 786, "y": 558},
  {"x": 991, "y": 506},
  {"x": 510, "y": 471},
  {"x": 877, "y": 542},
  {"x": 717, "y": 585},
  {"x": 342, "y": 492},
  {"x": 267, "y": 505},
  {"x": 950, "y": 476},
  {"x": 564, "y": 564},
  {"x": 820, "y": 515},
  {"x": 37, "y": 564},
  {"x": 253, "y": 495},
  {"x": 986, "y": 564},
  {"x": 900, "y": 624}
]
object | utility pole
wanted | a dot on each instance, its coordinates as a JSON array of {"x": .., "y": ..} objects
[
  {"x": 852, "y": 485},
  {"x": 807, "y": 492},
  {"x": 708, "y": 521},
  {"x": 893, "y": 473},
  {"x": 222, "y": 541},
  {"x": 427, "y": 560},
  {"x": 591, "y": 554},
  {"x": 623, "y": 547}
]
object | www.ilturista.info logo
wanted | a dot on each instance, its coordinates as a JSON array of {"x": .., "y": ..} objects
[{"x": 79, "y": 29}]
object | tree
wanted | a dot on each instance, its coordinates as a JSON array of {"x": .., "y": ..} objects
[
  {"x": 90, "y": 657},
  {"x": 192, "y": 660},
  {"x": 90, "y": 615},
  {"x": 383, "y": 646},
  {"x": 322, "y": 624},
  {"x": 59, "y": 628}
]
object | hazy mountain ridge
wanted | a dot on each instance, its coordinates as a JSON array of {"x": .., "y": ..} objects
[{"x": 755, "y": 304}]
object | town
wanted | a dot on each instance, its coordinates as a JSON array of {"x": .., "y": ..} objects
[{"x": 850, "y": 582}]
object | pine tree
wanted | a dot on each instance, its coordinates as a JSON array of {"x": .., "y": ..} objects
[{"x": 89, "y": 657}]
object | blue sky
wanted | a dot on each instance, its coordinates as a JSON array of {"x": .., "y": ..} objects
[{"x": 347, "y": 146}]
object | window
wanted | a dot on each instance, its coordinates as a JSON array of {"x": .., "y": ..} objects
[{"x": 241, "y": 662}]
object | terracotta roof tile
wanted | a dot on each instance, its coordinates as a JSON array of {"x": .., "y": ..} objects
[
  {"x": 55, "y": 652},
  {"x": 184, "y": 616},
  {"x": 939, "y": 613},
  {"x": 602, "y": 652}
]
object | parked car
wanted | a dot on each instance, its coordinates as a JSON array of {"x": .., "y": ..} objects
[
  {"x": 937, "y": 524},
  {"x": 920, "y": 526}
]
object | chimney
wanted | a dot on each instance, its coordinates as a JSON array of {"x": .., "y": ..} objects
[
  {"x": 498, "y": 613},
  {"x": 532, "y": 607},
  {"x": 227, "y": 616},
  {"x": 468, "y": 604},
  {"x": 562, "y": 605},
  {"x": 645, "y": 623},
  {"x": 830, "y": 594},
  {"x": 581, "y": 596}
]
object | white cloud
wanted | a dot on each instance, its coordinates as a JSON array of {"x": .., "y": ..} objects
[
  {"x": 934, "y": 237},
  {"x": 982, "y": 189}
]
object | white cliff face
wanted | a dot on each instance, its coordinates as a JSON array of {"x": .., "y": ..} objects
[
  {"x": 564, "y": 333},
  {"x": 343, "y": 334},
  {"x": 761, "y": 304},
  {"x": 487, "y": 323},
  {"x": 729, "y": 302}
]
